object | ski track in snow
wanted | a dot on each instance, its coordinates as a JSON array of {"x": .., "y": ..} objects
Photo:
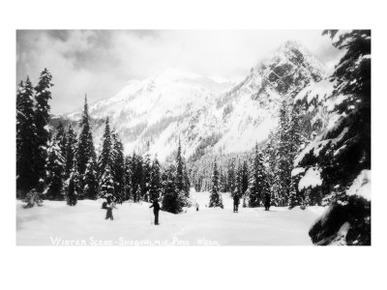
[{"x": 84, "y": 224}]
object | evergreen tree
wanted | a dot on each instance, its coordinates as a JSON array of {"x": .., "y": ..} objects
[
  {"x": 182, "y": 180},
  {"x": 186, "y": 181},
  {"x": 238, "y": 181},
  {"x": 284, "y": 159},
  {"x": 244, "y": 178},
  {"x": 55, "y": 167},
  {"x": 85, "y": 149},
  {"x": 137, "y": 193},
  {"x": 71, "y": 144},
  {"x": 172, "y": 198},
  {"x": 344, "y": 150},
  {"x": 107, "y": 183},
  {"x": 128, "y": 178},
  {"x": 61, "y": 138},
  {"x": 270, "y": 157},
  {"x": 106, "y": 158},
  {"x": 146, "y": 171},
  {"x": 119, "y": 166},
  {"x": 26, "y": 140},
  {"x": 259, "y": 185},
  {"x": 137, "y": 176},
  {"x": 215, "y": 197},
  {"x": 155, "y": 180},
  {"x": 42, "y": 120},
  {"x": 72, "y": 188},
  {"x": 295, "y": 197},
  {"x": 90, "y": 190},
  {"x": 231, "y": 176}
]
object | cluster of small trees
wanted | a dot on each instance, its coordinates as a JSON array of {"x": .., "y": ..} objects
[
  {"x": 147, "y": 180},
  {"x": 247, "y": 182}
]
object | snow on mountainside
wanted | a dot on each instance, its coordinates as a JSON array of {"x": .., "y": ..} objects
[{"x": 209, "y": 116}]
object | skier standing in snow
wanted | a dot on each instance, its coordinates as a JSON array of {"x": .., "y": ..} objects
[
  {"x": 156, "y": 209},
  {"x": 267, "y": 201},
  {"x": 109, "y": 208},
  {"x": 236, "y": 202}
]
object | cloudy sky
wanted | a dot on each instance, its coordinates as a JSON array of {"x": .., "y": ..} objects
[{"x": 100, "y": 62}]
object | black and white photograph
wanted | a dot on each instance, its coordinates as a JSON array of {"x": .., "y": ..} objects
[
  {"x": 184, "y": 137},
  {"x": 192, "y": 145}
]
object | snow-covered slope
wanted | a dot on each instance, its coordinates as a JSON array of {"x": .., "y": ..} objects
[{"x": 209, "y": 116}]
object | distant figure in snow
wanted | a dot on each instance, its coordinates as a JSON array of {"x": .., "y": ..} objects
[
  {"x": 267, "y": 201},
  {"x": 236, "y": 202},
  {"x": 109, "y": 208},
  {"x": 156, "y": 209},
  {"x": 197, "y": 207}
]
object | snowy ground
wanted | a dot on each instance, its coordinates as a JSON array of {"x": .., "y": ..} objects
[{"x": 55, "y": 223}]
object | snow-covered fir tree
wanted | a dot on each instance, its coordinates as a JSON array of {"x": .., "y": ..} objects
[
  {"x": 107, "y": 184},
  {"x": 259, "y": 184},
  {"x": 290, "y": 139},
  {"x": 137, "y": 193},
  {"x": 146, "y": 177},
  {"x": 155, "y": 185},
  {"x": 42, "y": 119},
  {"x": 182, "y": 180},
  {"x": 90, "y": 182},
  {"x": 172, "y": 198},
  {"x": 283, "y": 155},
  {"x": 136, "y": 176},
  {"x": 72, "y": 188},
  {"x": 61, "y": 137},
  {"x": 128, "y": 178},
  {"x": 85, "y": 147},
  {"x": 215, "y": 195},
  {"x": 244, "y": 178},
  {"x": 231, "y": 176},
  {"x": 71, "y": 147},
  {"x": 26, "y": 139},
  {"x": 343, "y": 152},
  {"x": 106, "y": 157},
  {"x": 118, "y": 166},
  {"x": 55, "y": 168}
]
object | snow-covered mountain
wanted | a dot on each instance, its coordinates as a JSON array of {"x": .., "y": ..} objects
[{"x": 207, "y": 115}]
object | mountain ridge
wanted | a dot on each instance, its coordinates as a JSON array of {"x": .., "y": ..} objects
[{"x": 204, "y": 113}]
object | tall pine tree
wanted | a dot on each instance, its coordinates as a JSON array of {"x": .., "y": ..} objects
[
  {"x": 90, "y": 182},
  {"x": 85, "y": 148},
  {"x": 118, "y": 166},
  {"x": 42, "y": 120},
  {"x": 71, "y": 147},
  {"x": 26, "y": 139},
  {"x": 155, "y": 181},
  {"x": 215, "y": 195},
  {"x": 55, "y": 168},
  {"x": 259, "y": 184}
]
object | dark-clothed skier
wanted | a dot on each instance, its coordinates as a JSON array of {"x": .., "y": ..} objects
[
  {"x": 156, "y": 209},
  {"x": 267, "y": 201},
  {"x": 109, "y": 208},
  {"x": 236, "y": 202}
]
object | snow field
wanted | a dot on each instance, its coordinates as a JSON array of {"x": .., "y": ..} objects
[{"x": 55, "y": 223}]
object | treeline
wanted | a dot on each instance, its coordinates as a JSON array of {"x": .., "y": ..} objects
[
  {"x": 58, "y": 164},
  {"x": 267, "y": 169},
  {"x": 303, "y": 144}
]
